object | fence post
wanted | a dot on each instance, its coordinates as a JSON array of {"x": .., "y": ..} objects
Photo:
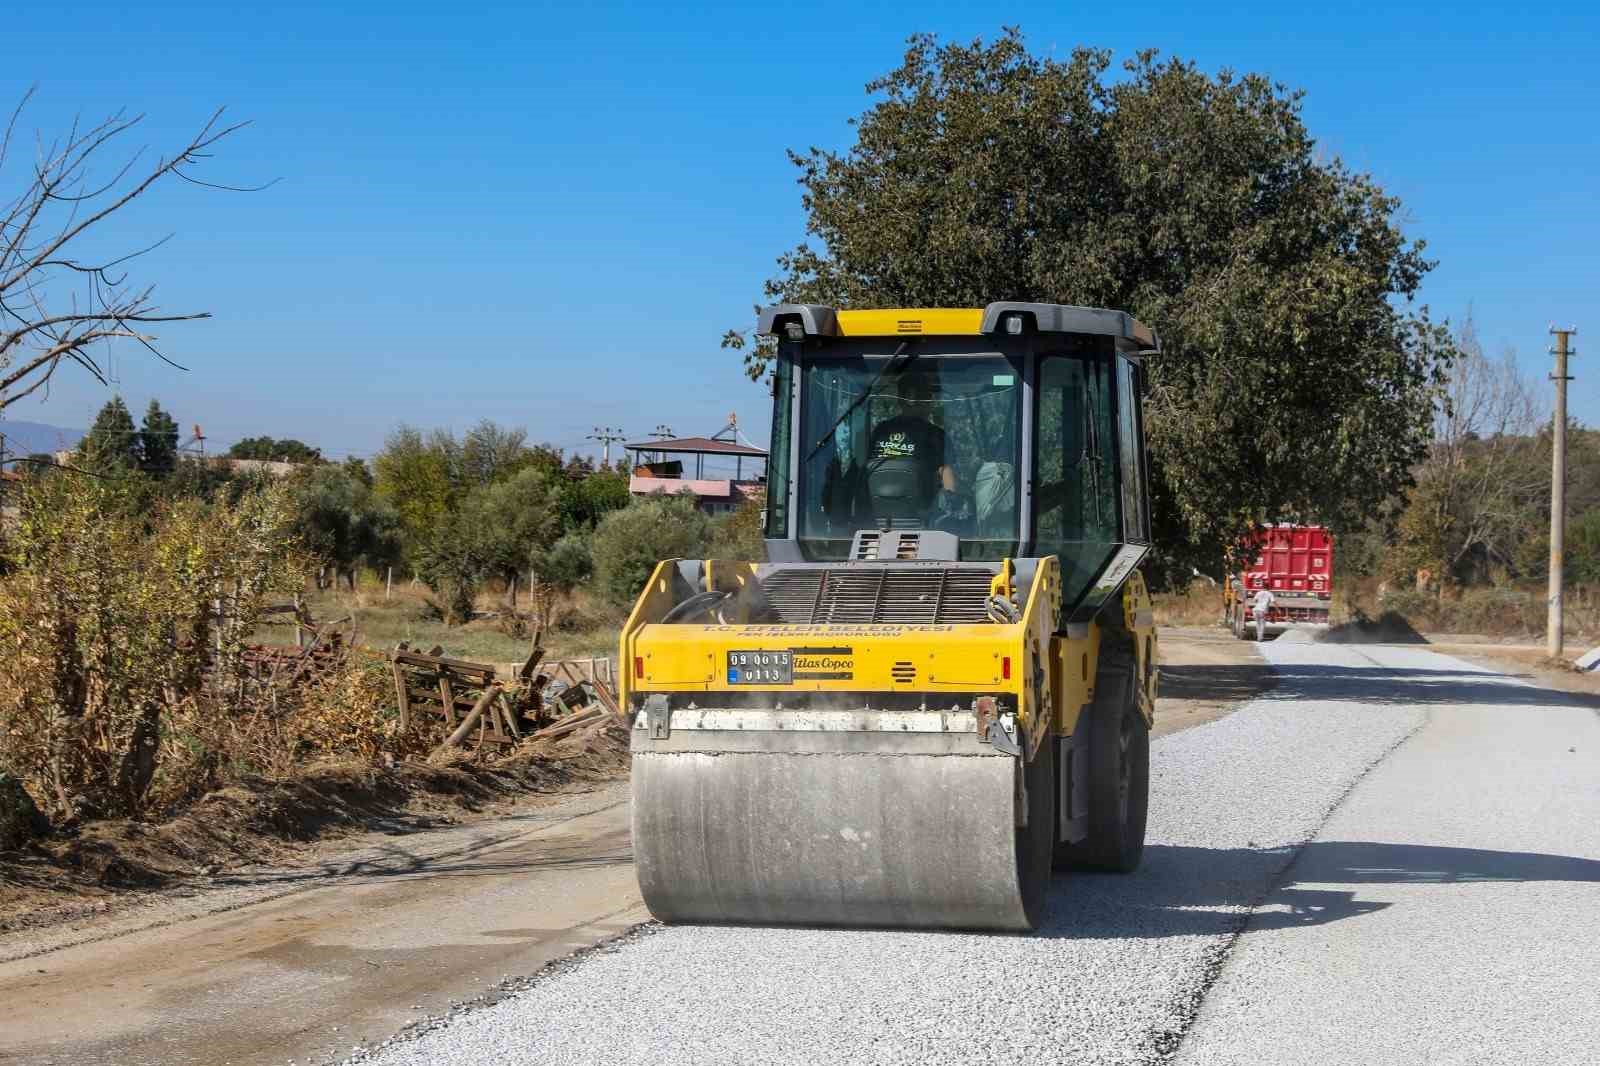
[{"x": 388, "y": 583}]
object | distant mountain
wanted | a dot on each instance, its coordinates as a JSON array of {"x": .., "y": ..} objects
[{"x": 26, "y": 438}]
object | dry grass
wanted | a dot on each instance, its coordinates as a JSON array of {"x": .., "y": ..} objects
[
  {"x": 259, "y": 819},
  {"x": 384, "y": 619},
  {"x": 1198, "y": 605},
  {"x": 1495, "y": 611},
  {"x": 1500, "y": 611}
]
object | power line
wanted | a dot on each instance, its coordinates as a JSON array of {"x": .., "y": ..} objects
[{"x": 607, "y": 436}]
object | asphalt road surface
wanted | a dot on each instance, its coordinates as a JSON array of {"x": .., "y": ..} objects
[{"x": 1391, "y": 857}]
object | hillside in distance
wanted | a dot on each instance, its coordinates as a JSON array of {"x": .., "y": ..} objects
[{"x": 26, "y": 438}]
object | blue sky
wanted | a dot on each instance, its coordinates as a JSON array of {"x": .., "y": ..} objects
[{"x": 547, "y": 215}]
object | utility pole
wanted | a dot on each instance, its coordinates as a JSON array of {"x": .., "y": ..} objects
[
  {"x": 607, "y": 436},
  {"x": 1558, "y": 485},
  {"x": 661, "y": 432}
]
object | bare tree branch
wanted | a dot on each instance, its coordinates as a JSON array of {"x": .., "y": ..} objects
[{"x": 55, "y": 304}]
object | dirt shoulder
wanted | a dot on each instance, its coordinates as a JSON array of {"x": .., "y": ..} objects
[
  {"x": 308, "y": 962},
  {"x": 1526, "y": 661},
  {"x": 106, "y": 868},
  {"x": 1206, "y": 673}
]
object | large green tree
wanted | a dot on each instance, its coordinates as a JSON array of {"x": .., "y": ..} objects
[
  {"x": 415, "y": 474},
  {"x": 286, "y": 449},
  {"x": 158, "y": 442},
  {"x": 112, "y": 442},
  {"x": 588, "y": 496},
  {"x": 512, "y": 521},
  {"x": 343, "y": 524},
  {"x": 1296, "y": 380},
  {"x": 491, "y": 452}
]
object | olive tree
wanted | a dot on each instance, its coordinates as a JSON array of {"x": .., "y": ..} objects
[{"x": 628, "y": 543}]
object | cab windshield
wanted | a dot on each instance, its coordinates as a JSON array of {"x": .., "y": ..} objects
[{"x": 910, "y": 438}]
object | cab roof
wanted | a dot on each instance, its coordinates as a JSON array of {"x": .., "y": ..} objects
[{"x": 819, "y": 320}]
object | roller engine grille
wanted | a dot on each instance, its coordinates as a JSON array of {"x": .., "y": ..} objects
[{"x": 878, "y": 594}]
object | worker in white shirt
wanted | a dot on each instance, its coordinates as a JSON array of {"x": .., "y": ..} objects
[{"x": 1259, "y": 607}]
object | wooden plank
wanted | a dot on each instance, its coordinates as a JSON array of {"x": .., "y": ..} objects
[
  {"x": 569, "y": 724},
  {"x": 472, "y": 718},
  {"x": 532, "y": 662},
  {"x": 510, "y": 717},
  {"x": 607, "y": 697},
  {"x": 412, "y": 658},
  {"x": 402, "y": 697},
  {"x": 447, "y": 697}
]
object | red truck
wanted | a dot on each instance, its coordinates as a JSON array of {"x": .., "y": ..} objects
[{"x": 1294, "y": 563}]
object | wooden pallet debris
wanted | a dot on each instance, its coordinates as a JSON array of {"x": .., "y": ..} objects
[{"x": 478, "y": 706}]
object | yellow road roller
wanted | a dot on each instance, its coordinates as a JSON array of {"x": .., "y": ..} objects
[{"x": 939, "y": 685}]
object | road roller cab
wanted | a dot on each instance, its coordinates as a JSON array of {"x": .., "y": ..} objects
[{"x": 939, "y": 684}]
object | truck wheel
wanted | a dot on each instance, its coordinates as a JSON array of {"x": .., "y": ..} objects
[{"x": 1119, "y": 781}]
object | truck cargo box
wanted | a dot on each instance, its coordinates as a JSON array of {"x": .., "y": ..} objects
[{"x": 1296, "y": 564}]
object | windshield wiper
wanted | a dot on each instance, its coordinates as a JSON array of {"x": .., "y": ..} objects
[{"x": 895, "y": 362}]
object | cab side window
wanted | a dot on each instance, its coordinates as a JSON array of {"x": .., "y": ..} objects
[{"x": 1130, "y": 452}]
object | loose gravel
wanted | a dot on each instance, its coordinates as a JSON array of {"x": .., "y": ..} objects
[{"x": 1116, "y": 976}]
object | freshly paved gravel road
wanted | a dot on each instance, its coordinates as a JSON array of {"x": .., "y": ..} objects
[
  {"x": 1468, "y": 867},
  {"x": 1444, "y": 912}
]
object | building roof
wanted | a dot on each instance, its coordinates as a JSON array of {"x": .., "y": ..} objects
[{"x": 697, "y": 446}]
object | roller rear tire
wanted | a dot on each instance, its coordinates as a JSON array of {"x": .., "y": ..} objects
[{"x": 1119, "y": 781}]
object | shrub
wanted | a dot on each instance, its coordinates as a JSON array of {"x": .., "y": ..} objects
[
  {"x": 451, "y": 563},
  {"x": 122, "y": 629},
  {"x": 1495, "y": 611},
  {"x": 738, "y": 534},
  {"x": 351, "y": 713},
  {"x": 1582, "y": 548},
  {"x": 566, "y": 563},
  {"x": 629, "y": 543}
]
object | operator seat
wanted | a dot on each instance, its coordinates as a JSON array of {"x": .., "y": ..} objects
[
  {"x": 898, "y": 487},
  {"x": 902, "y": 475}
]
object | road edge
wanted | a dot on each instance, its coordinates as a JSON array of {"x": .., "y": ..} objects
[{"x": 1167, "y": 1045}]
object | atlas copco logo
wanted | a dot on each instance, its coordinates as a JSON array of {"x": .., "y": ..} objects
[{"x": 824, "y": 662}]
